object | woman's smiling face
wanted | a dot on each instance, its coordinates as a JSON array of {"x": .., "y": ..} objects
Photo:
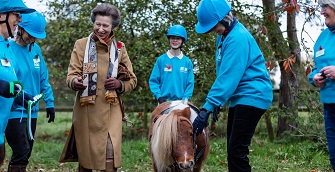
[
  {"x": 329, "y": 13},
  {"x": 103, "y": 26},
  {"x": 13, "y": 20}
]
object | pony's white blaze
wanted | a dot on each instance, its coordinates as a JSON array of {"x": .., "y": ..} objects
[{"x": 185, "y": 156}]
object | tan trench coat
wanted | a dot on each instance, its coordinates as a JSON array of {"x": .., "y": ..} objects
[{"x": 93, "y": 123}]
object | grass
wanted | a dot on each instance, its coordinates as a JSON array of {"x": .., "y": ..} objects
[{"x": 265, "y": 156}]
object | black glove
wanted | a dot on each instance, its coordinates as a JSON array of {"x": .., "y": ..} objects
[
  {"x": 8, "y": 92},
  {"x": 23, "y": 99},
  {"x": 161, "y": 100},
  {"x": 201, "y": 121},
  {"x": 215, "y": 115},
  {"x": 50, "y": 114}
]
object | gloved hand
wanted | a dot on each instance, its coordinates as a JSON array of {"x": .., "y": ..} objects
[
  {"x": 161, "y": 100},
  {"x": 50, "y": 114},
  {"x": 215, "y": 115},
  {"x": 77, "y": 84},
  {"x": 23, "y": 99},
  {"x": 8, "y": 92},
  {"x": 201, "y": 121},
  {"x": 112, "y": 83}
]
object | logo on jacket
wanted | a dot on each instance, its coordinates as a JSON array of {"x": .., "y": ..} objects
[
  {"x": 37, "y": 61},
  {"x": 168, "y": 68},
  {"x": 183, "y": 69}
]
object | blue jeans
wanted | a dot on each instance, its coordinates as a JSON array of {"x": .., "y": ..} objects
[
  {"x": 329, "y": 119},
  {"x": 17, "y": 139},
  {"x": 242, "y": 122}
]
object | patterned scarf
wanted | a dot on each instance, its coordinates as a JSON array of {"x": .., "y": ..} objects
[
  {"x": 110, "y": 95},
  {"x": 90, "y": 70},
  {"x": 229, "y": 21}
]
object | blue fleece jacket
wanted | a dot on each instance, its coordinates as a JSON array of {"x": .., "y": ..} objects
[
  {"x": 242, "y": 77},
  {"x": 8, "y": 70},
  {"x": 34, "y": 75},
  {"x": 324, "y": 55},
  {"x": 172, "y": 77}
]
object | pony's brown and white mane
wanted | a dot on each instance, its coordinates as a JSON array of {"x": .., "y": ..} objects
[{"x": 164, "y": 138}]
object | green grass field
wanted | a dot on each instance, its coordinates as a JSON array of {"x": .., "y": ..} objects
[{"x": 265, "y": 156}]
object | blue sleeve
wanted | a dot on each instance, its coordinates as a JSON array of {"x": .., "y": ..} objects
[
  {"x": 46, "y": 88},
  {"x": 311, "y": 76},
  {"x": 155, "y": 80},
  {"x": 190, "y": 82},
  {"x": 233, "y": 63}
]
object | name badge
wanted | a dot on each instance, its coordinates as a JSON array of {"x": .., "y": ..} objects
[
  {"x": 320, "y": 53},
  {"x": 167, "y": 69},
  {"x": 5, "y": 62}
]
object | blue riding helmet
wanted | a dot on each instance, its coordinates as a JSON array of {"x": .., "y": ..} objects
[
  {"x": 8, "y": 6},
  {"x": 34, "y": 24},
  {"x": 177, "y": 30},
  {"x": 209, "y": 13}
]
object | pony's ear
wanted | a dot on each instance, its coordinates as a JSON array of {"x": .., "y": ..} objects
[{"x": 186, "y": 113}]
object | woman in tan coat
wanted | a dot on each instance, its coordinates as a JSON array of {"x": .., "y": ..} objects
[{"x": 94, "y": 73}]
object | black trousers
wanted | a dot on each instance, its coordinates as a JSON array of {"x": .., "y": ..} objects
[
  {"x": 18, "y": 140},
  {"x": 242, "y": 122}
]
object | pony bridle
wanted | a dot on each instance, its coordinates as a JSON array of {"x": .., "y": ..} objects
[{"x": 197, "y": 156}]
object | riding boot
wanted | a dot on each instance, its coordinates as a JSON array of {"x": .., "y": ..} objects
[
  {"x": 2, "y": 154},
  {"x": 16, "y": 168},
  {"x": 110, "y": 166},
  {"x": 109, "y": 157},
  {"x": 82, "y": 169}
]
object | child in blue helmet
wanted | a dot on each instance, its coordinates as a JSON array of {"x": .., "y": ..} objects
[
  {"x": 172, "y": 77},
  {"x": 34, "y": 75},
  {"x": 10, "y": 11},
  {"x": 242, "y": 79}
]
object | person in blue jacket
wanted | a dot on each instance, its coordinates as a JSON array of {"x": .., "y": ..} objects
[
  {"x": 10, "y": 16},
  {"x": 323, "y": 74},
  {"x": 172, "y": 76},
  {"x": 34, "y": 76},
  {"x": 242, "y": 80}
]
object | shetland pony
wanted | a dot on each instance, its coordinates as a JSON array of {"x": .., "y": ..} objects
[{"x": 171, "y": 139}]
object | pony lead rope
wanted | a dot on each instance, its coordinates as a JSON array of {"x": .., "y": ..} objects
[
  {"x": 30, "y": 133},
  {"x": 37, "y": 98}
]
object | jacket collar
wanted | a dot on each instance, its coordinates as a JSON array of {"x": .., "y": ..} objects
[{"x": 180, "y": 56}]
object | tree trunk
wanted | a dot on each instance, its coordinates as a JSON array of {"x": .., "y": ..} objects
[
  {"x": 288, "y": 122},
  {"x": 269, "y": 126},
  {"x": 288, "y": 82}
]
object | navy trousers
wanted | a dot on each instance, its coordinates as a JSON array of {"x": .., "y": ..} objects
[
  {"x": 18, "y": 140},
  {"x": 329, "y": 119},
  {"x": 242, "y": 122}
]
